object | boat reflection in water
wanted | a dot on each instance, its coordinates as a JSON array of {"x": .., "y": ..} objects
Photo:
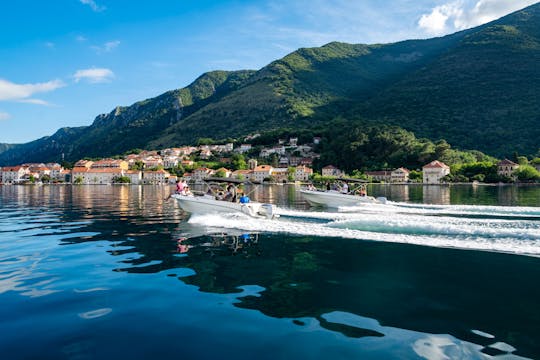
[{"x": 356, "y": 295}]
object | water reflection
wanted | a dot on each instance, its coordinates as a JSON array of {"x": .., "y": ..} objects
[
  {"x": 308, "y": 277},
  {"x": 392, "y": 293},
  {"x": 436, "y": 194}
]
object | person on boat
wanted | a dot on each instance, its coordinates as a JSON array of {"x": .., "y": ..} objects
[
  {"x": 328, "y": 186},
  {"x": 311, "y": 187},
  {"x": 231, "y": 193},
  {"x": 362, "y": 191},
  {"x": 345, "y": 188},
  {"x": 179, "y": 187}
]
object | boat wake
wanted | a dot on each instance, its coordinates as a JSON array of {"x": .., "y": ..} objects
[{"x": 514, "y": 230}]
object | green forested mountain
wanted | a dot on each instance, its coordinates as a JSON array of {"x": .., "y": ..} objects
[{"x": 478, "y": 89}]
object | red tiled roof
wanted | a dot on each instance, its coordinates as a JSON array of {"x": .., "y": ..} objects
[
  {"x": 436, "y": 164},
  {"x": 506, "y": 162}
]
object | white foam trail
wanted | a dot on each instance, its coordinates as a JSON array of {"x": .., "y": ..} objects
[{"x": 520, "y": 237}]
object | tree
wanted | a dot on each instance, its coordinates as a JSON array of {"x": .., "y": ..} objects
[
  {"x": 527, "y": 173},
  {"x": 138, "y": 165},
  {"x": 121, "y": 179},
  {"x": 238, "y": 162},
  {"x": 78, "y": 180}
]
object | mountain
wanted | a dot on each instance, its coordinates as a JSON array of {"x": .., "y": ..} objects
[{"x": 476, "y": 88}]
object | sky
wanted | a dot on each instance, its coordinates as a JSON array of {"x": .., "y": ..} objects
[{"x": 63, "y": 62}]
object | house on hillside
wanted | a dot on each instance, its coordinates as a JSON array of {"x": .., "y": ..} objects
[
  {"x": 110, "y": 164},
  {"x": 434, "y": 172},
  {"x": 506, "y": 168}
]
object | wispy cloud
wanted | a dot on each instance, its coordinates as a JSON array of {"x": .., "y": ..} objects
[
  {"x": 80, "y": 38},
  {"x": 22, "y": 92},
  {"x": 94, "y": 75},
  {"x": 49, "y": 44},
  {"x": 93, "y": 5},
  {"x": 4, "y": 116},
  {"x": 107, "y": 47},
  {"x": 463, "y": 14}
]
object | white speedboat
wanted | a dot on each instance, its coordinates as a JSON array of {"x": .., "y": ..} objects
[
  {"x": 204, "y": 204},
  {"x": 335, "y": 199}
]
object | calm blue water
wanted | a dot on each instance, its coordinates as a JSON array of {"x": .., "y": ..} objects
[{"x": 102, "y": 272}]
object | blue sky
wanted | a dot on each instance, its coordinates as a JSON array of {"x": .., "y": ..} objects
[{"x": 63, "y": 62}]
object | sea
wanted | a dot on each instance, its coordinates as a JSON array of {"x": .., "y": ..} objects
[{"x": 121, "y": 272}]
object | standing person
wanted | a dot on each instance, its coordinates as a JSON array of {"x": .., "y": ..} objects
[
  {"x": 345, "y": 188},
  {"x": 327, "y": 186}
]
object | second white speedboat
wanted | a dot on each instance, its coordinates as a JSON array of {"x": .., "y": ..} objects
[
  {"x": 335, "y": 199},
  {"x": 205, "y": 204}
]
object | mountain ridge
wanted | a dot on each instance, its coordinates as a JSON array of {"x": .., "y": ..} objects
[{"x": 475, "y": 88}]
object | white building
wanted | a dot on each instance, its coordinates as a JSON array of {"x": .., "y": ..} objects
[
  {"x": 135, "y": 176},
  {"x": 100, "y": 176},
  {"x": 434, "y": 172},
  {"x": 201, "y": 173},
  {"x": 280, "y": 175},
  {"x": 400, "y": 175},
  {"x": 170, "y": 161},
  {"x": 261, "y": 172},
  {"x": 302, "y": 173},
  {"x": 155, "y": 177},
  {"x": 13, "y": 174}
]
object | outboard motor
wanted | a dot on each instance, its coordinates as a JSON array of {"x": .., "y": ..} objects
[
  {"x": 381, "y": 199},
  {"x": 267, "y": 210}
]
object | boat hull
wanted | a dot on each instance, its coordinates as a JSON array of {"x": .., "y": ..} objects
[
  {"x": 208, "y": 204},
  {"x": 336, "y": 199}
]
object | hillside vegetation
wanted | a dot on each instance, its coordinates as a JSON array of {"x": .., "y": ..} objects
[{"x": 477, "y": 89}]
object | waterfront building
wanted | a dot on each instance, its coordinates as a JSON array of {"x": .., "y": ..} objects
[
  {"x": 506, "y": 168},
  {"x": 302, "y": 173},
  {"x": 261, "y": 172},
  {"x": 400, "y": 175},
  {"x": 13, "y": 174},
  {"x": 331, "y": 170},
  {"x": 280, "y": 175},
  {"x": 434, "y": 172},
  {"x": 135, "y": 176},
  {"x": 380, "y": 175},
  {"x": 155, "y": 177}
]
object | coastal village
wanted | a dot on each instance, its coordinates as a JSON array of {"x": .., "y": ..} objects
[{"x": 287, "y": 161}]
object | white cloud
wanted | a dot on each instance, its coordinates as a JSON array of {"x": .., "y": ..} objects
[
  {"x": 94, "y": 75},
  {"x": 4, "y": 116},
  {"x": 22, "y": 92},
  {"x": 107, "y": 47},
  {"x": 93, "y": 5},
  {"x": 463, "y": 14},
  {"x": 80, "y": 38}
]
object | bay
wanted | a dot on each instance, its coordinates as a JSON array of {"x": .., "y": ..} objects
[{"x": 119, "y": 272}]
